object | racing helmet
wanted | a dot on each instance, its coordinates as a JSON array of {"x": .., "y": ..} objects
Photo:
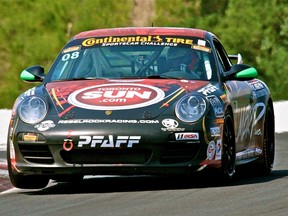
[{"x": 180, "y": 55}]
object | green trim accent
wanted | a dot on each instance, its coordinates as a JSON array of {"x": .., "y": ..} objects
[
  {"x": 248, "y": 73},
  {"x": 27, "y": 76}
]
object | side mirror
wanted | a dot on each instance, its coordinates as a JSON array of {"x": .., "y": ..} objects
[
  {"x": 33, "y": 74},
  {"x": 241, "y": 72}
]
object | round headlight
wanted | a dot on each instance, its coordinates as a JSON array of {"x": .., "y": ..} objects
[
  {"x": 191, "y": 108},
  {"x": 32, "y": 110}
]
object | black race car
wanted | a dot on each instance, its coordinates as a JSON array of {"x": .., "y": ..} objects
[{"x": 147, "y": 101}]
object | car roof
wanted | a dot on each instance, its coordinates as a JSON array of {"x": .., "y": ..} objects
[{"x": 176, "y": 31}]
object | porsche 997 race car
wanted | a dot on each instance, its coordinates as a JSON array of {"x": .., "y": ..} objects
[{"x": 147, "y": 101}]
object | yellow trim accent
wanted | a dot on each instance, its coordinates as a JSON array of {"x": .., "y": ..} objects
[
  {"x": 173, "y": 98},
  {"x": 55, "y": 98}
]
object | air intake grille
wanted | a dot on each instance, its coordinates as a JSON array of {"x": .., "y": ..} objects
[
  {"x": 106, "y": 156},
  {"x": 36, "y": 153},
  {"x": 179, "y": 152}
]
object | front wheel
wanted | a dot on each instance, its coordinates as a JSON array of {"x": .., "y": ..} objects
[
  {"x": 228, "y": 148},
  {"x": 28, "y": 182},
  {"x": 22, "y": 181}
]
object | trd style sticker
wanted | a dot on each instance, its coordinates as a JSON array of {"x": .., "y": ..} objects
[
  {"x": 45, "y": 125},
  {"x": 171, "y": 125},
  {"x": 120, "y": 96},
  {"x": 108, "y": 142}
]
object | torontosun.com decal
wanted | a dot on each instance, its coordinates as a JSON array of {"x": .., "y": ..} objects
[{"x": 116, "y": 96}]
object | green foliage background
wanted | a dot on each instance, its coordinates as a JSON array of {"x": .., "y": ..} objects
[{"x": 33, "y": 32}]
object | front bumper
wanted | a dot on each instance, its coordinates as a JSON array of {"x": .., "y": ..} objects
[{"x": 77, "y": 150}]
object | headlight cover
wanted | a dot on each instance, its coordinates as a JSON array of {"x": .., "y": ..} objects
[
  {"x": 191, "y": 108},
  {"x": 32, "y": 110}
]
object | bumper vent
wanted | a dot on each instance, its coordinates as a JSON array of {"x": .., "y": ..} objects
[
  {"x": 36, "y": 153},
  {"x": 179, "y": 152},
  {"x": 106, "y": 156}
]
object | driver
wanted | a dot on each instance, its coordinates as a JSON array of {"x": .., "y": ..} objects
[{"x": 182, "y": 59}]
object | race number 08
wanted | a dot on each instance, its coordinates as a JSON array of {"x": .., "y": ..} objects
[{"x": 68, "y": 56}]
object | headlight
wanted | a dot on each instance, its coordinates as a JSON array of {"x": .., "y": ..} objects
[
  {"x": 32, "y": 110},
  {"x": 191, "y": 108}
]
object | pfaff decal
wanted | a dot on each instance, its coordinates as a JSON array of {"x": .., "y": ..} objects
[
  {"x": 108, "y": 142},
  {"x": 120, "y": 96}
]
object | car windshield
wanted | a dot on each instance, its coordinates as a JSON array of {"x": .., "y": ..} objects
[{"x": 127, "y": 60}]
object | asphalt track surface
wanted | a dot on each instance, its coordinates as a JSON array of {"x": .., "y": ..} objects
[{"x": 249, "y": 194}]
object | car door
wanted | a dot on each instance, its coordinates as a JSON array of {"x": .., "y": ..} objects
[{"x": 242, "y": 100}]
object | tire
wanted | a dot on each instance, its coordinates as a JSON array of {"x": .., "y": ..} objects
[
  {"x": 22, "y": 181},
  {"x": 228, "y": 148},
  {"x": 266, "y": 162}
]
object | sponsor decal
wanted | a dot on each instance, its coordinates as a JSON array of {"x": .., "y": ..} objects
[
  {"x": 219, "y": 121},
  {"x": 107, "y": 121},
  {"x": 71, "y": 49},
  {"x": 216, "y": 105},
  {"x": 258, "y": 88},
  {"x": 171, "y": 125},
  {"x": 201, "y": 42},
  {"x": 211, "y": 149},
  {"x": 30, "y": 92},
  {"x": 208, "y": 89},
  {"x": 108, "y": 142},
  {"x": 137, "y": 40},
  {"x": 256, "y": 85},
  {"x": 187, "y": 136},
  {"x": 116, "y": 96},
  {"x": 108, "y": 112},
  {"x": 248, "y": 153},
  {"x": 215, "y": 131},
  {"x": 45, "y": 125},
  {"x": 30, "y": 137},
  {"x": 218, "y": 154},
  {"x": 248, "y": 119}
]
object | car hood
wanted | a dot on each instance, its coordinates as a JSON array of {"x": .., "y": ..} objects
[{"x": 78, "y": 99}]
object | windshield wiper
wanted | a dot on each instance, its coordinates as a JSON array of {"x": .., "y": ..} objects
[
  {"x": 81, "y": 78},
  {"x": 161, "y": 77}
]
